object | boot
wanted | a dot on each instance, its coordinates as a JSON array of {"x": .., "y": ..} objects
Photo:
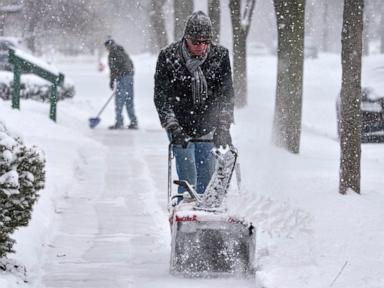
[
  {"x": 133, "y": 126},
  {"x": 115, "y": 127}
]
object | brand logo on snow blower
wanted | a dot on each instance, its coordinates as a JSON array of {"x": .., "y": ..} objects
[
  {"x": 186, "y": 218},
  {"x": 232, "y": 220}
]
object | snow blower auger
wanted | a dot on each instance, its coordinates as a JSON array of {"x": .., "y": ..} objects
[{"x": 206, "y": 241}]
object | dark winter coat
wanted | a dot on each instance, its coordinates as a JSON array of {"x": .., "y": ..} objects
[
  {"x": 119, "y": 62},
  {"x": 173, "y": 91}
]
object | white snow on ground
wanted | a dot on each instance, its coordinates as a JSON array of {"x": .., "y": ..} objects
[{"x": 102, "y": 217}]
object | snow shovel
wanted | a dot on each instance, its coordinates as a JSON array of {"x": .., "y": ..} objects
[
  {"x": 94, "y": 121},
  {"x": 206, "y": 241}
]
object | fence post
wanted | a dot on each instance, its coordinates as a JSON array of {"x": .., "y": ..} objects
[
  {"x": 16, "y": 87},
  {"x": 53, "y": 101}
]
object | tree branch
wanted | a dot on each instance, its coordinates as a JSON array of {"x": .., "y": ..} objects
[{"x": 247, "y": 16}]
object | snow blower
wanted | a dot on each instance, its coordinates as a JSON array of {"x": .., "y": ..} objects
[
  {"x": 94, "y": 121},
  {"x": 207, "y": 241}
]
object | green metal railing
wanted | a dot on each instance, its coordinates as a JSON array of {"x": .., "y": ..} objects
[{"x": 22, "y": 65}]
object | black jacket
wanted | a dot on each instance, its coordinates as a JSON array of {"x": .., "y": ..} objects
[
  {"x": 173, "y": 91},
  {"x": 119, "y": 62}
]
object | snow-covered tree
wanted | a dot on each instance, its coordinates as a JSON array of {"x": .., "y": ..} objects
[
  {"x": 22, "y": 175},
  {"x": 290, "y": 62},
  {"x": 350, "y": 120},
  {"x": 241, "y": 17}
]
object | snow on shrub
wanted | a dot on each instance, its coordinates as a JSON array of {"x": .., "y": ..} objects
[{"x": 22, "y": 175}]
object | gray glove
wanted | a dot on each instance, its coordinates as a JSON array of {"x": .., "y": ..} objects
[
  {"x": 222, "y": 137},
  {"x": 178, "y": 137}
]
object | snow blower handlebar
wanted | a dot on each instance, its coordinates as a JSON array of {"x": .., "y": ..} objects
[{"x": 170, "y": 157}]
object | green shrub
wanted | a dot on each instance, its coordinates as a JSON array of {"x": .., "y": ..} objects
[{"x": 22, "y": 175}]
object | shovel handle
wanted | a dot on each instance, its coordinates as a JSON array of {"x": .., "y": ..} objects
[{"x": 106, "y": 104}]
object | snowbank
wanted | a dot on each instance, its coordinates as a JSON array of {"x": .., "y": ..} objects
[{"x": 61, "y": 147}]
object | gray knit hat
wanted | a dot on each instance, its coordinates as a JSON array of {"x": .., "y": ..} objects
[
  {"x": 109, "y": 42},
  {"x": 198, "y": 26}
]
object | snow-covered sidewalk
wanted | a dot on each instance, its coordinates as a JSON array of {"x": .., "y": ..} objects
[
  {"x": 107, "y": 235},
  {"x": 112, "y": 231}
]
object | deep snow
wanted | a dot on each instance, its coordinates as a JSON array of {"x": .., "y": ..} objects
[{"x": 308, "y": 235}]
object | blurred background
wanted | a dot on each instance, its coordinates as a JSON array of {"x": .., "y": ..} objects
[{"x": 79, "y": 26}]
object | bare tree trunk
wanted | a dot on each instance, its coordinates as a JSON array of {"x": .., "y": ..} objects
[
  {"x": 325, "y": 35},
  {"x": 33, "y": 10},
  {"x": 382, "y": 36},
  {"x": 381, "y": 31},
  {"x": 182, "y": 9},
  {"x": 6, "y": 10},
  {"x": 350, "y": 132},
  {"x": 2, "y": 24},
  {"x": 290, "y": 61},
  {"x": 158, "y": 25},
  {"x": 240, "y": 27},
  {"x": 214, "y": 12},
  {"x": 365, "y": 34},
  {"x": 310, "y": 11}
]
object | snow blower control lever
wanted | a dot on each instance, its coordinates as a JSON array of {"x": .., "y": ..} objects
[{"x": 188, "y": 187}]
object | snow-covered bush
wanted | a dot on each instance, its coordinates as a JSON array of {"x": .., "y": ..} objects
[
  {"x": 4, "y": 91},
  {"x": 22, "y": 175}
]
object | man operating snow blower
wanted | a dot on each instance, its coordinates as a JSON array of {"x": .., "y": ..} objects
[{"x": 194, "y": 99}]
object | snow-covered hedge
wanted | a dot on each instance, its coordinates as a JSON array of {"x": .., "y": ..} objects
[
  {"x": 33, "y": 87},
  {"x": 22, "y": 175}
]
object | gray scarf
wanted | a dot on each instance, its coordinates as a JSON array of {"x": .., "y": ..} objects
[{"x": 199, "y": 83}]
